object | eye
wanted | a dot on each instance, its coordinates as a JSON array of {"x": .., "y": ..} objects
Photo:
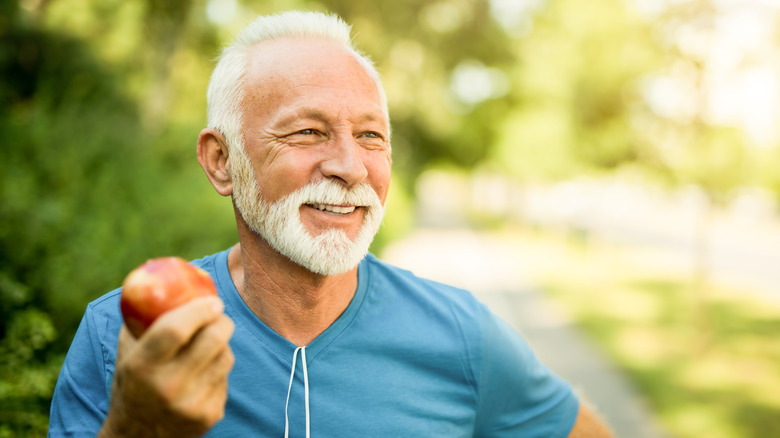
[
  {"x": 373, "y": 140},
  {"x": 306, "y": 132}
]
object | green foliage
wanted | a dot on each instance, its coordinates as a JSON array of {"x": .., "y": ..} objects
[
  {"x": 29, "y": 374},
  {"x": 87, "y": 194},
  {"x": 577, "y": 86},
  {"x": 644, "y": 318}
]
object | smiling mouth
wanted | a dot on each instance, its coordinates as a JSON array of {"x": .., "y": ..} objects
[{"x": 335, "y": 209}]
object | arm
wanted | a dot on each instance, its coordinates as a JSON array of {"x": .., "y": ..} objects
[
  {"x": 519, "y": 395},
  {"x": 588, "y": 425},
  {"x": 172, "y": 381}
]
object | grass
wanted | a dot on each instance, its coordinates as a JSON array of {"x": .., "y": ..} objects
[{"x": 708, "y": 366}]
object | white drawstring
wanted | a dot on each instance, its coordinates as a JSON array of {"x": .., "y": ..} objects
[{"x": 305, "y": 390}]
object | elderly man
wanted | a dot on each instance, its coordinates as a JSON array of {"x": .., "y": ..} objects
[{"x": 311, "y": 335}]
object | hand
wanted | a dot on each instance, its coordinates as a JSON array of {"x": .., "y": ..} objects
[{"x": 172, "y": 381}]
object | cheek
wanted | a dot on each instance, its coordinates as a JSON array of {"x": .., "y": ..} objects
[
  {"x": 283, "y": 176},
  {"x": 379, "y": 173}
]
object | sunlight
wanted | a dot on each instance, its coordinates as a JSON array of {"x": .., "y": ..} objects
[{"x": 733, "y": 74}]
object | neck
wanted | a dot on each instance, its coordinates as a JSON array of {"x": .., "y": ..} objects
[{"x": 294, "y": 302}]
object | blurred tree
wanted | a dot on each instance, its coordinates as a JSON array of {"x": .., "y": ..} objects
[
  {"x": 691, "y": 147},
  {"x": 604, "y": 88},
  {"x": 86, "y": 195},
  {"x": 577, "y": 87}
]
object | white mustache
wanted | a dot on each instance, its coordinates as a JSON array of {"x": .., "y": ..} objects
[{"x": 330, "y": 192}]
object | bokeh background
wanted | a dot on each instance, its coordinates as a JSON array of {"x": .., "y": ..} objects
[{"x": 621, "y": 157}]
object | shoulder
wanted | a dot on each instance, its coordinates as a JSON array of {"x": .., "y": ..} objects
[
  {"x": 211, "y": 263},
  {"x": 81, "y": 394},
  {"x": 104, "y": 317},
  {"x": 444, "y": 313},
  {"x": 498, "y": 358},
  {"x": 422, "y": 318},
  {"x": 389, "y": 277}
]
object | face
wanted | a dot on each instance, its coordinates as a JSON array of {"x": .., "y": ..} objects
[{"x": 316, "y": 169}]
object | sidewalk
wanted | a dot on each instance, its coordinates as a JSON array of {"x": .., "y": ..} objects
[{"x": 490, "y": 271}]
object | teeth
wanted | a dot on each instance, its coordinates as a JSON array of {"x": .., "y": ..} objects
[{"x": 333, "y": 208}]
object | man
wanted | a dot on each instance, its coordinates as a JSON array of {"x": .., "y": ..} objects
[{"x": 316, "y": 336}]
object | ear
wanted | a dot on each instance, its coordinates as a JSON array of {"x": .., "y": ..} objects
[{"x": 213, "y": 158}]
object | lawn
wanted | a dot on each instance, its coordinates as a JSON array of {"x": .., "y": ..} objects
[{"x": 707, "y": 357}]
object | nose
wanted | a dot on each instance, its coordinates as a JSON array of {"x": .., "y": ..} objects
[{"x": 345, "y": 162}]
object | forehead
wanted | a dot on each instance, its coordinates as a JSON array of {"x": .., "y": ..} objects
[{"x": 278, "y": 69}]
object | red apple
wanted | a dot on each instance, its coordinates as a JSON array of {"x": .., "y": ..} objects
[{"x": 160, "y": 285}]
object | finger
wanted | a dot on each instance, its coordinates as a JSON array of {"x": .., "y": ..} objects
[
  {"x": 212, "y": 380},
  {"x": 218, "y": 393},
  {"x": 215, "y": 377},
  {"x": 125, "y": 343},
  {"x": 208, "y": 344},
  {"x": 205, "y": 395},
  {"x": 223, "y": 364},
  {"x": 175, "y": 329}
]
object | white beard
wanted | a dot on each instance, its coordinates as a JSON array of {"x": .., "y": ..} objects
[{"x": 329, "y": 253}]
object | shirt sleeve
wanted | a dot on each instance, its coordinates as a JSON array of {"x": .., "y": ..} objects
[
  {"x": 518, "y": 395},
  {"x": 80, "y": 399}
]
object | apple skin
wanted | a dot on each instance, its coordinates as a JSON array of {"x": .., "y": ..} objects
[{"x": 160, "y": 285}]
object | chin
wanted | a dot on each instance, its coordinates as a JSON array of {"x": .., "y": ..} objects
[
  {"x": 332, "y": 251},
  {"x": 329, "y": 253}
]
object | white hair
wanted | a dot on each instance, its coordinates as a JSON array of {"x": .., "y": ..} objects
[{"x": 226, "y": 87}]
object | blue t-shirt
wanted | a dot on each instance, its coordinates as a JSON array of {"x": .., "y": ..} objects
[{"x": 407, "y": 358}]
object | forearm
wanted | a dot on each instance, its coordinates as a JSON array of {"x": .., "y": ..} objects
[{"x": 589, "y": 425}]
